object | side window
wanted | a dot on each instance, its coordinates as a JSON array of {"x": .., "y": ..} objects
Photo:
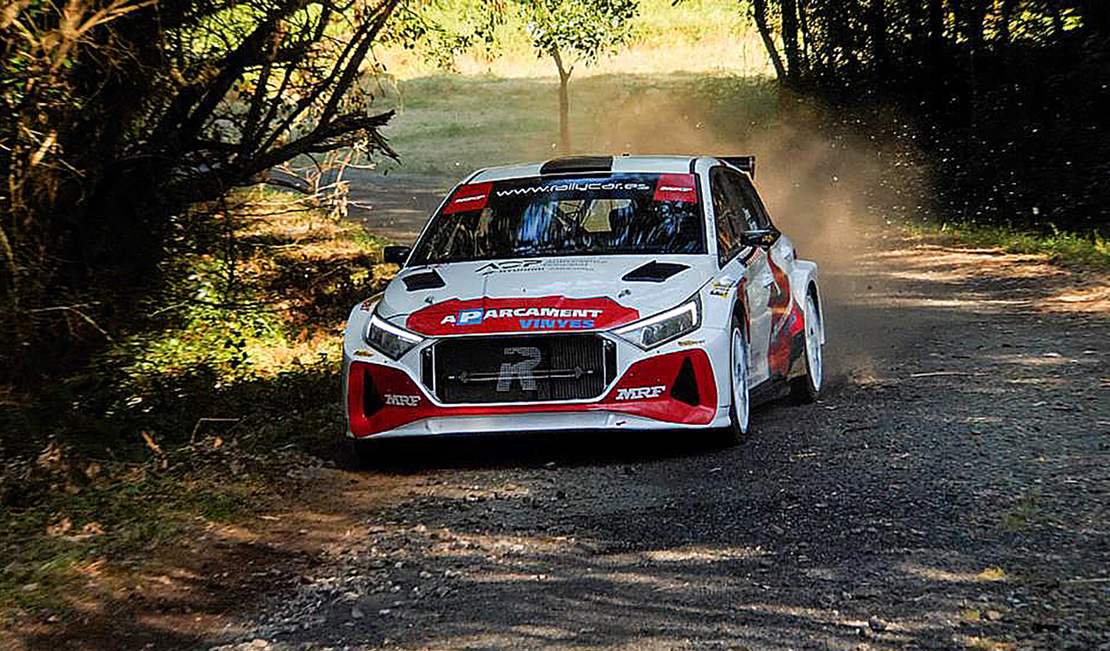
[
  {"x": 751, "y": 198},
  {"x": 747, "y": 214},
  {"x": 723, "y": 210}
]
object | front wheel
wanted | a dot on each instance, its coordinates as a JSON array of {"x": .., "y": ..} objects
[
  {"x": 365, "y": 454},
  {"x": 807, "y": 388},
  {"x": 740, "y": 412}
]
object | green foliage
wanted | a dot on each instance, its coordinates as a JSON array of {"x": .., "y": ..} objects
[
  {"x": 1083, "y": 250},
  {"x": 586, "y": 29},
  {"x": 441, "y": 29},
  {"x": 115, "y": 115}
]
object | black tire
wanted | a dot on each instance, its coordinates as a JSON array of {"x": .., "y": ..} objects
[
  {"x": 740, "y": 419},
  {"x": 365, "y": 454},
  {"x": 806, "y": 388}
]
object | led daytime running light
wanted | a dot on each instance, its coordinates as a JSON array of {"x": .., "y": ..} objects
[
  {"x": 378, "y": 322},
  {"x": 636, "y": 333},
  {"x": 662, "y": 316}
]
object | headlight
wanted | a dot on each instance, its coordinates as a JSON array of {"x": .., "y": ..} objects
[
  {"x": 388, "y": 338},
  {"x": 663, "y": 327}
]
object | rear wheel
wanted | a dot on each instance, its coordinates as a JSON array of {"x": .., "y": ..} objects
[{"x": 807, "y": 388}]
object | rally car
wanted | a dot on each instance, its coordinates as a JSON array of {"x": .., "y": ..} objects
[{"x": 588, "y": 293}]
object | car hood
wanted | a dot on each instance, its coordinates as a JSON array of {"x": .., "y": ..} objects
[{"x": 545, "y": 295}]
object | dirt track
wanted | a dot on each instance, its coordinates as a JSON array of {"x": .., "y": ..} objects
[
  {"x": 958, "y": 458},
  {"x": 949, "y": 491}
]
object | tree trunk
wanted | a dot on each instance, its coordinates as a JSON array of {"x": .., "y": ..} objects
[
  {"x": 877, "y": 28},
  {"x": 807, "y": 38},
  {"x": 1096, "y": 17},
  {"x": 976, "y": 18},
  {"x": 936, "y": 29},
  {"x": 759, "y": 12},
  {"x": 1057, "y": 19},
  {"x": 916, "y": 30},
  {"x": 564, "y": 102},
  {"x": 1007, "y": 15},
  {"x": 790, "y": 40}
]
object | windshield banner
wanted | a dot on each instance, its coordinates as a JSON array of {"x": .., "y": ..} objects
[{"x": 548, "y": 314}]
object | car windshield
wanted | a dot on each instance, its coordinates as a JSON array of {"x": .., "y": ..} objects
[{"x": 586, "y": 215}]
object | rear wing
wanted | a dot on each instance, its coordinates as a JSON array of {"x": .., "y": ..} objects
[{"x": 745, "y": 163}]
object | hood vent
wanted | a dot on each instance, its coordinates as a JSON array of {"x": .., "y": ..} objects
[
  {"x": 426, "y": 280},
  {"x": 654, "y": 272}
]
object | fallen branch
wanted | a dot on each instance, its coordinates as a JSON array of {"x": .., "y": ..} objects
[
  {"x": 73, "y": 308},
  {"x": 196, "y": 428}
]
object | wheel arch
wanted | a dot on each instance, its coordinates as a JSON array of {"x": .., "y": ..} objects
[
  {"x": 740, "y": 311},
  {"x": 804, "y": 282}
]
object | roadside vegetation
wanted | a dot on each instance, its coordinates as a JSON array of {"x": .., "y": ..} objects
[
  {"x": 193, "y": 421},
  {"x": 1079, "y": 250}
]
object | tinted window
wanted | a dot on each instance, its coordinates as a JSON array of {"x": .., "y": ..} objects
[
  {"x": 727, "y": 210},
  {"x": 595, "y": 215},
  {"x": 751, "y": 199}
]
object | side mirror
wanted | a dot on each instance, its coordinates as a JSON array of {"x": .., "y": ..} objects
[
  {"x": 760, "y": 237},
  {"x": 396, "y": 254}
]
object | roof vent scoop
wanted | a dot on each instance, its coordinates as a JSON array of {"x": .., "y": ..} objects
[
  {"x": 654, "y": 272},
  {"x": 578, "y": 164}
]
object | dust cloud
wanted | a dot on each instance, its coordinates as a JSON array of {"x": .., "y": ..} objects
[{"x": 836, "y": 196}]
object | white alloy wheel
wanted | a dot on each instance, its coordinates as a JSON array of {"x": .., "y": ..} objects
[
  {"x": 808, "y": 387},
  {"x": 741, "y": 402},
  {"x": 813, "y": 342}
]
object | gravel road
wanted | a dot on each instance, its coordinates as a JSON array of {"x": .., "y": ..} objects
[{"x": 949, "y": 491}]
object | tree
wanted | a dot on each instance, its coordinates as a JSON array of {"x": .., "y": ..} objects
[
  {"x": 584, "y": 30},
  {"x": 115, "y": 114}
]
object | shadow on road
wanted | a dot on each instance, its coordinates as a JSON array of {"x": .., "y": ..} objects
[{"x": 532, "y": 450}]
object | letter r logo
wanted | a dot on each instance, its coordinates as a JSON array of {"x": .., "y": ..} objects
[{"x": 519, "y": 364}]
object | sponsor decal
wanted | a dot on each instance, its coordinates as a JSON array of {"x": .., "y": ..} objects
[
  {"x": 640, "y": 393},
  {"x": 533, "y": 317},
  {"x": 676, "y": 187},
  {"x": 557, "y": 264},
  {"x": 690, "y": 342},
  {"x": 573, "y": 187},
  {"x": 723, "y": 289},
  {"x": 366, "y": 305},
  {"x": 547, "y": 314},
  {"x": 468, "y": 198},
  {"x": 400, "y": 400},
  {"x": 364, "y": 353},
  {"x": 510, "y": 265}
]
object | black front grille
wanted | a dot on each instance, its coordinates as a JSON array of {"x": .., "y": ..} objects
[{"x": 519, "y": 369}]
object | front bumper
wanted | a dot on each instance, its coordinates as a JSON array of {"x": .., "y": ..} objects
[{"x": 671, "y": 390}]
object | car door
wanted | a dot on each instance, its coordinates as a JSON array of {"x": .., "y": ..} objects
[
  {"x": 747, "y": 266},
  {"x": 780, "y": 302}
]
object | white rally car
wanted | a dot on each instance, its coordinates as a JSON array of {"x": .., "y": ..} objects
[{"x": 587, "y": 293}]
